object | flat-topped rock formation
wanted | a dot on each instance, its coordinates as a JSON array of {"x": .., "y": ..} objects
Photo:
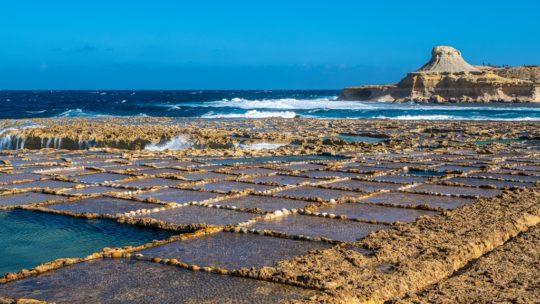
[{"x": 447, "y": 77}]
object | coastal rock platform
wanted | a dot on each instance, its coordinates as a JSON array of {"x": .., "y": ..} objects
[{"x": 431, "y": 212}]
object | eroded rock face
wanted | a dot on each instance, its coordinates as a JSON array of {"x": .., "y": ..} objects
[
  {"x": 447, "y": 77},
  {"x": 446, "y": 59}
]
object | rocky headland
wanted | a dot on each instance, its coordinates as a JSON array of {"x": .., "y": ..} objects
[{"x": 448, "y": 78}]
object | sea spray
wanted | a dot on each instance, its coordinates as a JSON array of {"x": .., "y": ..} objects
[
  {"x": 11, "y": 139},
  {"x": 180, "y": 142}
]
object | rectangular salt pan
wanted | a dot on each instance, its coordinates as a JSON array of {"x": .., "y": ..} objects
[
  {"x": 227, "y": 186},
  {"x": 28, "y": 198},
  {"x": 364, "y": 186},
  {"x": 178, "y": 196},
  {"x": 504, "y": 176},
  {"x": 234, "y": 250},
  {"x": 151, "y": 182},
  {"x": 102, "y": 205},
  {"x": 10, "y": 178},
  {"x": 94, "y": 190},
  {"x": 412, "y": 199},
  {"x": 334, "y": 229},
  {"x": 401, "y": 179},
  {"x": 264, "y": 203},
  {"x": 283, "y": 180},
  {"x": 41, "y": 184},
  {"x": 201, "y": 215},
  {"x": 479, "y": 182},
  {"x": 196, "y": 176},
  {"x": 31, "y": 238},
  {"x": 376, "y": 213},
  {"x": 331, "y": 174},
  {"x": 128, "y": 281},
  {"x": 318, "y": 193},
  {"x": 253, "y": 171},
  {"x": 454, "y": 190},
  {"x": 100, "y": 178}
]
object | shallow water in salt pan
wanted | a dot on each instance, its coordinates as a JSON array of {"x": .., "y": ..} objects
[
  {"x": 128, "y": 281},
  {"x": 31, "y": 238}
]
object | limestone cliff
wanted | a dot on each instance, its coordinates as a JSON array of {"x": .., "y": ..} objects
[{"x": 447, "y": 77}]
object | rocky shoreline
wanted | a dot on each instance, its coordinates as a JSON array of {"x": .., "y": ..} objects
[{"x": 448, "y": 78}]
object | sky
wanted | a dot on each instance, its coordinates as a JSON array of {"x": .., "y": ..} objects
[{"x": 250, "y": 44}]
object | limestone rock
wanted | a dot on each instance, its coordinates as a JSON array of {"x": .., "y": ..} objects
[
  {"x": 446, "y": 59},
  {"x": 447, "y": 77}
]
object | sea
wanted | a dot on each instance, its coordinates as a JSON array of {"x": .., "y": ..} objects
[{"x": 253, "y": 104}]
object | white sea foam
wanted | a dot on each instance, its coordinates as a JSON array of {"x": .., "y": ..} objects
[
  {"x": 289, "y": 104},
  {"x": 252, "y": 114},
  {"x": 36, "y": 112},
  {"x": 78, "y": 113},
  {"x": 89, "y": 114},
  {"x": 261, "y": 146},
  {"x": 180, "y": 142},
  {"x": 455, "y": 117}
]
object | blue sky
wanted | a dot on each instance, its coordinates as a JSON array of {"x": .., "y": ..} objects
[{"x": 237, "y": 44}]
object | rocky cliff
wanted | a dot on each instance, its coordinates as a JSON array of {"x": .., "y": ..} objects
[{"x": 447, "y": 77}]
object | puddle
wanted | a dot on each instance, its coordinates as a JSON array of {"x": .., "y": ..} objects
[
  {"x": 102, "y": 205},
  {"x": 335, "y": 229},
  {"x": 376, "y": 213},
  {"x": 412, "y": 199},
  {"x": 454, "y": 190},
  {"x": 129, "y": 281},
  {"x": 201, "y": 215},
  {"x": 364, "y": 186},
  {"x": 31, "y": 238},
  {"x": 28, "y": 198},
  {"x": 234, "y": 250},
  {"x": 264, "y": 203},
  {"x": 178, "y": 196},
  {"x": 356, "y": 139},
  {"x": 315, "y": 192},
  {"x": 426, "y": 173},
  {"x": 499, "y": 141},
  {"x": 226, "y": 186}
]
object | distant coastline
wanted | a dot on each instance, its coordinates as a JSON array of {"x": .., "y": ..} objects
[{"x": 448, "y": 78}]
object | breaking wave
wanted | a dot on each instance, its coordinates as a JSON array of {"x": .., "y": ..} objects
[
  {"x": 455, "y": 117},
  {"x": 180, "y": 142},
  {"x": 251, "y": 114}
]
